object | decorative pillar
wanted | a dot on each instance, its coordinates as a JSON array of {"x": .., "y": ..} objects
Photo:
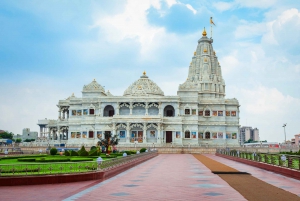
[
  {"x": 59, "y": 113},
  {"x": 159, "y": 138},
  {"x": 64, "y": 113},
  {"x": 41, "y": 131},
  {"x": 100, "y": 114},
  {"x": 56, "y": 134},
  {"x": 146, "y": 108},
  {"x": 178, "y": 109},
  {"x": 117, "y": 109},
  {"x": 128, "y": 133},
  {"x": 114, "y": 129},
  {"x": 130, "y": 107},
  {"x": 159, "y": 106},
  {"x": 145, "y": 133}
]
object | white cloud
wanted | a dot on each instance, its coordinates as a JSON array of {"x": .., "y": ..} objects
[
  {"x": 191, "y": 8},
  {"x": 223, "y": 6},
  {"x": 229, "y": 63},
  {"x": 256, "y": 4},
  {"x": 267, "y": 109}
]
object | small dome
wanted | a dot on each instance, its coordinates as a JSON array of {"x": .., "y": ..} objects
[
  {"x": 143, "y": 87},
  {"x": 93, "y": 87}
]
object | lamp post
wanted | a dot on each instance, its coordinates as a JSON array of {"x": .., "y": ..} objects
[{"x": 284, "y": 125}]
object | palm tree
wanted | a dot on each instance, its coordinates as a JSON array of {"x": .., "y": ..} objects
[{"x": 108, "y": 140}]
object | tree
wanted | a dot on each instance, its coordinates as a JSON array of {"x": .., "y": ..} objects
[
  {"x": 108, "y": 140},
  {"x": 6, "y": 135},
  {"x": 18, "y": 140}
]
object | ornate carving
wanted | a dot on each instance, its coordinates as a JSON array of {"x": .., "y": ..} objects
[
  {"x": 93, "y": 86},
  {"x": 121, "y": 125},
  {"x": 143, "y": 86},
  {"x": 136, "y": 125},
  {"x": 153, "y": 125}
]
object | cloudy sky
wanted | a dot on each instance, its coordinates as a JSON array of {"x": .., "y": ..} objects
[{"x": 50, "y": 49}]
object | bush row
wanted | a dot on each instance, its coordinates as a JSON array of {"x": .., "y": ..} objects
[{"x": 46, "y": 160}]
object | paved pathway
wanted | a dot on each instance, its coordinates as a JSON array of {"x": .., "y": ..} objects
[
  {"x": 165, "y": 177},
  {"x": 278, "y": 180}
]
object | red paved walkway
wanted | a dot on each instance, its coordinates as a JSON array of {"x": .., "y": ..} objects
[{"x": 165, "y": 177}]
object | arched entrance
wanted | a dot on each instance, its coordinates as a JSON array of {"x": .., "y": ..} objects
[
  {"x": 169, "y": 111},
  {"x": 109, "y": 111}
]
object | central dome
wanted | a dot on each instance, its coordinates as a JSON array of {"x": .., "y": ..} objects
[{"x": 143, "y": 87}]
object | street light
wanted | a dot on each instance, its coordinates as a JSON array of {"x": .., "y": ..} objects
[{"x": 284, "y": 125}]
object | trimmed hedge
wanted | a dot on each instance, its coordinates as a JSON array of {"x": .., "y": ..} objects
[
  {"x": 80, "y": 159},
  {"x": 143, "y": 150},
  {"x": 93, "y": 148},
  {"x": 73, "y": 153},
  {"x": 26, "y": 159},
  {"x": 47, "y": 160},
  {"x": 67, "y": 153},
  {"x": 53, "y": 151},
  {"x": 27, "y": 156},
  {"x": 94, "y": 153}
]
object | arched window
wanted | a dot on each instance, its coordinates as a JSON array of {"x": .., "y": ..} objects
[
  {"x": 109, "y": 111},
  {"x": 187, "y": 134},
  {"x": 207, "y": 135},
  {"x": 169, "y": 111},
  {"x": 187, "y": 111},
  {"x": 207, "y": 113}
]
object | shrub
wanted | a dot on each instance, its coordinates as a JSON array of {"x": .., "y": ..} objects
[
  {"x": 18, "y": 140},
  {"x": 93, "y": 153},
  {"x": 26, "y": 159},
  {"x": 83, "y": 152},
  {"x": 93, "y": 148},
  {"x": 73, "y": 153},
  {"x": 128, "y": 153},
  {"x": 133, "y": 152},
  {"x": 67, "y": 153},
  {"x": 53, "y": 151},
  {"x": 143, "y": 150}
]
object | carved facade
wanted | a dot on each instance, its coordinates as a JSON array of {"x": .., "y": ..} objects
[{"x": 199, "y": 114}]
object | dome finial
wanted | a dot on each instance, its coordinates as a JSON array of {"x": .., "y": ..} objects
[
  {"x": 204, "y": 32},
  {"x": 94, "y": 80},
  {"x": 144, "y": 73}
]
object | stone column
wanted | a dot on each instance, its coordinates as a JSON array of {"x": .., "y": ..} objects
[
  {"x": 130, "y": 107},
  {"x": 67, "y": 113},
  {"x": 64, "y": 113},
  {"x": 145, "y": 133},
  {"x": 114, "y": 129},
  {"x": 159, "y": 138},
  {"x": 178, "y": 109},
  {"x": 128, "y": 133},
  {"x": 100, "y": 114},
  {"x": 117, "y": 109},
  {"x": 41, "y": 131},
  {"x": 59, "y": 113},
  {"x": 146, "y": 108},
  {"x": 159, "y": 106}
]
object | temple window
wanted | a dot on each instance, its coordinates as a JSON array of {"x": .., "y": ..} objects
[
  {"x": 91, "y": 134},
  {"x": 194, "y": 112},
  {"x": 108, "y": 111},
  {"x": 187, "y": 134},
  {"x": 207, "y": 113},
  {"x": 200, "y": 113},
  {"x": 233, "y": 113},
  {"x": 92, "y": 111},
  {"x": 187, "y": 111},
  {"x": 207, "y": 135},
  {"x": 169, "y": 111}
]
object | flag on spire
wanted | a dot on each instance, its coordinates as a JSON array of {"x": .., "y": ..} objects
[{"x": 211, "y": 21}]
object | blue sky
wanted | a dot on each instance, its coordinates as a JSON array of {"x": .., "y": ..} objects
[{"x": 50, "y": 49}]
